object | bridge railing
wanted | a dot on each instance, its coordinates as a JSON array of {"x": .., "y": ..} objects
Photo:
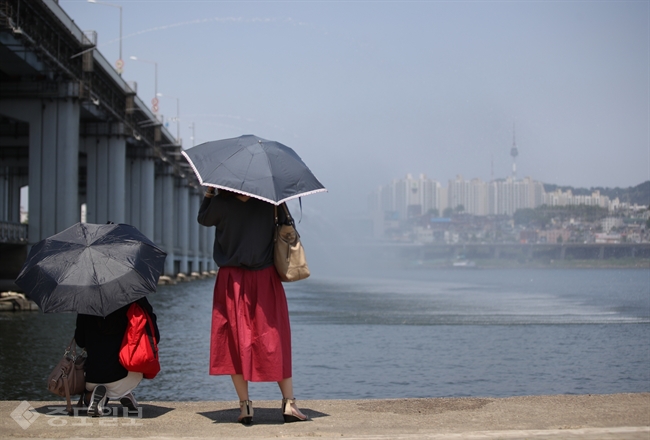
[{"x": 13, "y": 232}]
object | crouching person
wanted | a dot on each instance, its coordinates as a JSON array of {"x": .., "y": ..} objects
[{"x": 106, "y": 377}]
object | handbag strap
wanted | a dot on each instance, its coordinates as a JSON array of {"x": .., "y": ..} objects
[
  {"x": 286, "y": 210},
  {"x": 72, "y": 349},
  {"x": 66, "y": 385},
  {"x": 151, "y": 333},
  {"x": 71, "y": 353}
]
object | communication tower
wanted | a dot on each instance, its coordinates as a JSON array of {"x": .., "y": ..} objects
[{"x": 514, "y": 153}]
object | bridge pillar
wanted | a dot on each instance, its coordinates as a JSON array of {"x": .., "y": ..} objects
[
  {"x": 206, "y": 243},
  {"x": 106, "y": 185},
  {"x": 601, "y": 253},
  {"x": 10, "y": 183},
  {"x": 165, "y": 205},
  {"x": 182, "y": 224},
  {"x": 53, "y": 159},
  {"x": 140, "y": 200},
  {"x": 202, "y": 247},
  {"x": 195, "y": 249}
]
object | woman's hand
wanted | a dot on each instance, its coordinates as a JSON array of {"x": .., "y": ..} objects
[{"x": 210, "y": 192}]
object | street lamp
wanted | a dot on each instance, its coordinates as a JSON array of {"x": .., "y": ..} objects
[
  {"x": 119, "y": 64},
  {"x": 178, "y": 116},
  {"x": 193, "y": 134},
  {"x": 154, "y": 101}
]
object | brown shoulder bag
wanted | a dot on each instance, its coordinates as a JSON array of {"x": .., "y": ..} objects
[
  {"x": 68, "y": 377},
  {"x": 289, "y": 255}
]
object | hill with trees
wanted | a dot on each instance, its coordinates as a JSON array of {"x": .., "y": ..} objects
[{"x": 639, "y": 194}]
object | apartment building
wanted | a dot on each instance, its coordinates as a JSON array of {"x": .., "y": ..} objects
[
  {"x": 408, "y": 197},
  {"x": 411, "y": 197},
  {"x": 564, "y": 198}
]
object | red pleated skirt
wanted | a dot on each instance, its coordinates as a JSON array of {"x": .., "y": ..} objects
[{"x": 250, "y": 325}]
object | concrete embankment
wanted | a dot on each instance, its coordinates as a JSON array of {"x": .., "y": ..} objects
[{"x": 615, "y": 416}]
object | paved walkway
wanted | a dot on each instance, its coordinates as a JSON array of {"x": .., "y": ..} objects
[{"x": 615, "y": 416}]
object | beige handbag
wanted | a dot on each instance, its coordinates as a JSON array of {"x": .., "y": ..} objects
[
  {"x": 289, "y": 255},
  {"x": 68, "y": 377}
]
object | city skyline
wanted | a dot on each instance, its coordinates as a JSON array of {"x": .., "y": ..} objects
[
  {"x": 365, "y": 91},
  {"x": 414, "y": 196}
]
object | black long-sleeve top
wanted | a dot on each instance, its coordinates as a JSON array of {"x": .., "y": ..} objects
[
  {"x": 102, "y": 339},
  {"x": 244, "y": 236}
]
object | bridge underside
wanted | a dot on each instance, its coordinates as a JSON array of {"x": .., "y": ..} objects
[{"x": 76, "y": 134}]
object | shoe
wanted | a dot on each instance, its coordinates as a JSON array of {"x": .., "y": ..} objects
[
  {"x": 246, "y": 415},
  {"x": 290, "y": 414},
  {"x": 129, "y": 401},
  {"x": 97, "y": 400}
]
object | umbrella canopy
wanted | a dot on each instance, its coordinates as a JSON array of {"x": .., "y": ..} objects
[
  {"x": 91, "y": 269},
  {"x": 253, "y": 166}
]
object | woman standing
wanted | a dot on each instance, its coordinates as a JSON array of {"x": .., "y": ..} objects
[{"x": 251, "y": 336}]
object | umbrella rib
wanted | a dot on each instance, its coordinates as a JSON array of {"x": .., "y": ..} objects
[
  {"x": 96, "y": 279},
  {"x": 196, "y": 171},
  {"x": 270, "y": 167},
  {"x": 267, "y": 156},
  {"x": 249, "y": 166},
  {"x": 223, "y": 162}
]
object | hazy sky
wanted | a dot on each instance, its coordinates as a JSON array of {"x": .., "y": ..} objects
[{"x": 368, "y": 91}]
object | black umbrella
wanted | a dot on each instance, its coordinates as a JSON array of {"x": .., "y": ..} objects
[
  {"x": 91, "y": 269},
  {"x": 256, "y": 167}
]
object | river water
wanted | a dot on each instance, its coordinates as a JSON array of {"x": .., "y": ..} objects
[{"x": 406, "y": 333}]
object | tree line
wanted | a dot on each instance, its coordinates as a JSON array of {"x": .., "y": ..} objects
[{"x": 639, "y": 194}]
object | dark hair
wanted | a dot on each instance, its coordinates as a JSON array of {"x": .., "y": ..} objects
[{"x": 225, "y": 193}]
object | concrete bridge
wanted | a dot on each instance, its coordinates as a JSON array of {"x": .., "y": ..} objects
[
  {"x": 75, "y": 133},
  {"x": 517, "y": 251}
]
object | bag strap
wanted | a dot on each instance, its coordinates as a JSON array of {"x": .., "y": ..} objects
[
  {"x": 72, "y": 349},
  {"x": 148, "y": 327},
  {"x": 66, "y": 385},
  {"x": 286, "y": 210},
  {"x": 71, "y": 353},
  {"x": 277, "y": 222}
]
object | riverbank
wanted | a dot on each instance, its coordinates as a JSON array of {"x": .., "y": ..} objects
[
  {"x": 613, "y": 416},
  {"x": 495, "y": 263}
]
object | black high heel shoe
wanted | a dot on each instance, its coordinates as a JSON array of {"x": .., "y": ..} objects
[
  {"x": 246, "y": 415},
  {"x": 289, "y": 414}
]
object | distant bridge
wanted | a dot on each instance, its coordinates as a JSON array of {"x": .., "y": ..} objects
[
  {"x": 521, "y": 251},
  {"x": 75, "y": 132}
]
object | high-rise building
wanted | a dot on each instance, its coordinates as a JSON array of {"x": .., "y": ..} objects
[
  {"x": 505, "y": 196},
  {"x": 408, "y": 197}
]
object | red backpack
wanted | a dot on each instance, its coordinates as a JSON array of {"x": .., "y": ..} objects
[{"x": 139, "y": 350}]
